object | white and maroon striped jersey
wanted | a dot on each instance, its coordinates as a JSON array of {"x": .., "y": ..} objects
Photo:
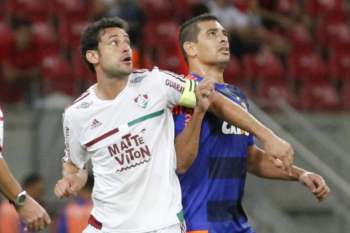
[
  {"x": 1, "y": 132},
  {"x": 130, "y": 141}
]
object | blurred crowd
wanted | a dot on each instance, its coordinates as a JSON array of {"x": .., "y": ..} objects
[{"x": 295, "y": 49}]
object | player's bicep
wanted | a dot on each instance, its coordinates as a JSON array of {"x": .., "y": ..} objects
[{"x": 74, "y": 152}]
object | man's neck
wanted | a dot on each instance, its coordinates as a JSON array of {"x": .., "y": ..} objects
[
  {"x": 215, "y": 73},
  {"x": 109, "y": 88}
]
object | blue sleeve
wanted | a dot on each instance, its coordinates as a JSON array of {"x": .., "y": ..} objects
[
  {"x": 251, "y": 140},
  {"x": 62, "y": 223},
  {"x": 180, "y": 122}
]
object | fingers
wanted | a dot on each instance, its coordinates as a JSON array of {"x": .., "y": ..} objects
[
  {"x": 324, "y": 194},
  {"x": 47, "y": 219},
  {"x": 34, "y": 216},
  {"x": 205, "y": 88},
  {"x": 62, "y": 189},
  {"x": 316, "y": 184},
  {"x": 204, "y": 93},
  {"x": 305, "y": 179},
  {"x": 322, "y": 190}
]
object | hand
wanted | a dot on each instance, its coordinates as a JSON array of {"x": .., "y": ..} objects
[
  {"x": 33, "y": 215},
  {"x": 316, "y": 184},
  {"x": 68, "y": 186},
  {"x": 204, "y": 94},
  {"x": 280, "y": 152}
]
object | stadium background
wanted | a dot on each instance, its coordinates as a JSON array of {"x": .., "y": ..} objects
[{"x": 292, "y": 58}]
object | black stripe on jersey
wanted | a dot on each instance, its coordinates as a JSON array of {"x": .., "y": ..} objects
[
  {"x": 219, "y": 211},
  {"x": 178, "y": 77},
  {"x": 195, "y": 84},
  {"x": 191, "y": 86},
  {"x": 227, "y": 167}
]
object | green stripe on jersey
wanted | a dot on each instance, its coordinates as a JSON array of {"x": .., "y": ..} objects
[
  {"x": 145, "y": 117},
  {"x": 180, "y": 216}
]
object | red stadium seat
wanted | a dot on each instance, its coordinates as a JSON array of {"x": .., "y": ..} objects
[
  {"x": 70, "y": 10},
  {"x": 158, "y": 9},
  {"x": 335, "y": 36},
  {"x": 249, "y": 67},
  {"x": 331, "y": 10},
  {"x": 300, "y": 39},
  {"x": 35, "y": 10},
  {"x": 70, "y": 33},
  {"x": 5, "y": 38},
  {"x": 171, "y": 60},
  {"x": 81, "y": 72},
  {"x": 339, "y": 65},
  {"x": 57, "y": 75},
  {"x": 307, "y": 67},
  {"x": 233, "y": 73},
  {"x": 183, "y": 8},
  {"x": 161, "y": 34},
  {"x": 264, "y": 67},
  {"x": 46, "y": 37},
  {"x": 3, "y": 10},
  {"x": 320, "y": 96}
]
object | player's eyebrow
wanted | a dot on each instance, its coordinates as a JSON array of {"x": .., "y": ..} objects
[
  {"x": 118, "y": 36},
  {"x": 212, "y": 30},
  {"x": 216, "y": 30}
]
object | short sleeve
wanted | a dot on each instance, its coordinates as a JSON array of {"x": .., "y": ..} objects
[
  {"x": 1, "y": 132},
  {"x": 178, "y": 91},
  {"x": 73, "y": 152},
  {"x": 182, "y": 117}
]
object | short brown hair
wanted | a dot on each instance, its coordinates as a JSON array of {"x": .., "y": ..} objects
[
  {"x": 189, "y": 29},
  {"x": 91, "y": 35}
]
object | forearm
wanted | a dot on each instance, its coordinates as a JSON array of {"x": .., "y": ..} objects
[
  {"x": 186, "y": 143},
  {"x": 8, "y": 184},
  {"x": 236, "y": 115},
  {"x": 260, "y": 165}
]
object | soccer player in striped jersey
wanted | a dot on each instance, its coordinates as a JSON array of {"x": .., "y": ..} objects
[
  {"x": 33, "y": 215},
  {"x": 213, "y": 186},
  {"x": 124, "y": 124}
]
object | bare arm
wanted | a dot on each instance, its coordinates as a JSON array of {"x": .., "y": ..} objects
[
  {"x": 34, "y": 216},
  {"x": 260, "y": 165},
  {"x": 8, "y": 184},
  {"x": 234, "y": 114},
  {"x": 186, "y": 143},
  {"x": 73, "y": 179}
]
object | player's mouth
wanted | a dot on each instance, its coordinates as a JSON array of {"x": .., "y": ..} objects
[
  {"x": 224, "y": 50},
  {"x": 127, "y": 60}
]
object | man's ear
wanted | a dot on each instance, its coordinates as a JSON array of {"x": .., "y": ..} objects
[
  {"x": 190, "y": 49},
  {"x": 92, "y": 56}
]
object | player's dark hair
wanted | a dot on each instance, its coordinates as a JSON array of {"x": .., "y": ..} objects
[
  {"x": 189, "y": 30},
  {"x": 92, "y": 35}
]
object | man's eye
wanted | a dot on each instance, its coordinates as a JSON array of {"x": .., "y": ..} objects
[
  {"x": 114, "y": 42},
  {"x": 212, "y": 33}
]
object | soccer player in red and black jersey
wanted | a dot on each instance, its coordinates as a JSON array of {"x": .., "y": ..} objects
[{"x": 213, "y": 185}]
